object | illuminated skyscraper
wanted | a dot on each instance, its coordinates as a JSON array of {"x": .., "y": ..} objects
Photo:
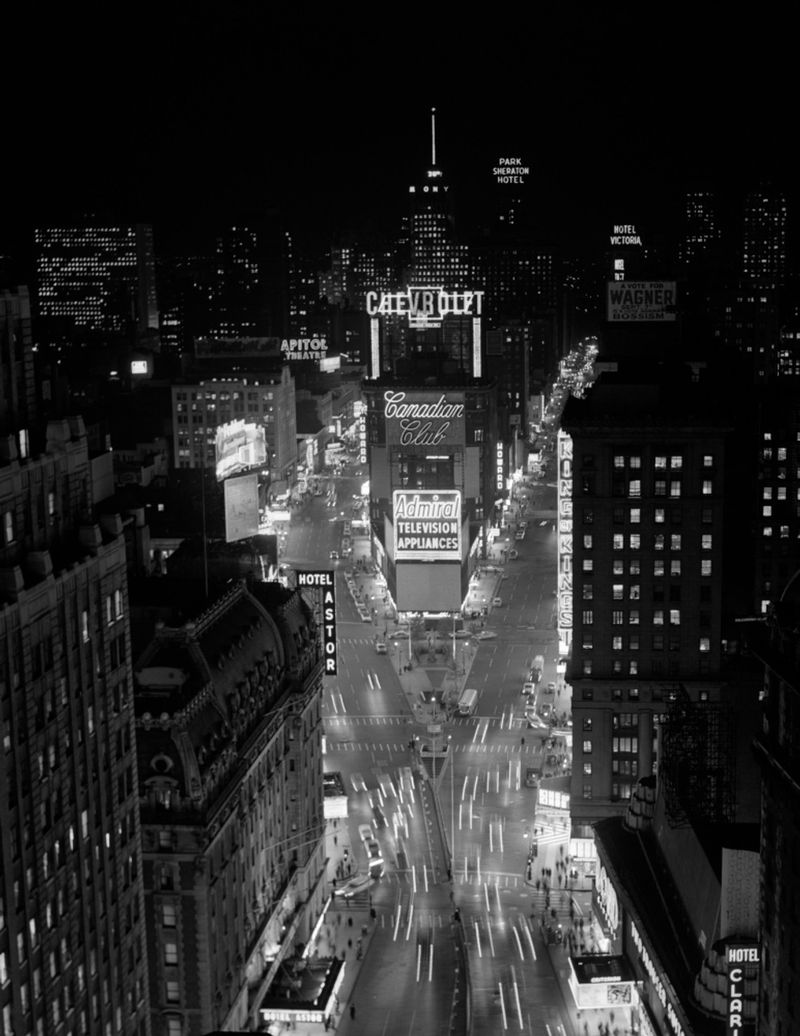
[
  {"x": 764, "y": 240},
  {"x": 96, "y": 278},
  {"x": 436, "y": 258},
  {"x": 700, "y": 229}
]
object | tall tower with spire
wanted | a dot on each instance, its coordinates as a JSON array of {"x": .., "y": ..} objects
[{"x": 435, "y": 257}]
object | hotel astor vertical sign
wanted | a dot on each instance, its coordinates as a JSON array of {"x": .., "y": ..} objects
[
  {"x": 427, "y": 525},
  {"x": 323, "y": 600}
]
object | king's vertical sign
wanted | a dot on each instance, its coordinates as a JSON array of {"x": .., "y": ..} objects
[
  {"x": 564, "y": 541},
  {"x": 324, "y": 603}
]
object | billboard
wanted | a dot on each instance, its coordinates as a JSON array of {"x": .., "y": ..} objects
[
  {"x": 241, "y": 507},
  {"x": 240, "y": 445},
  {"x": 425, "y": 588},
  {"x": 427, "y": 525},
  {"x": 648, "y": 302},
  {"x": 423, "y": 418},
  {"x": 424, "y": 307},
  {"x": 323, "y": 600},
  {"x": 564, "y": 532},
  {"x": 304, "y": 348}
]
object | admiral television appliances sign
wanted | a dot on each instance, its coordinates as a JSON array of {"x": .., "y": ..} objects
[
  {"x": 424, "y": 307},
  {"x": 648, "y": 302},
  {"x": 427, "y": 525}
]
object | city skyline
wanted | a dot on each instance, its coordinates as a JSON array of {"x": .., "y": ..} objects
[{"x": 207, "y": 119}]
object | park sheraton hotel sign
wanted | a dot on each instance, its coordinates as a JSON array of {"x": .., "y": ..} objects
[{"x": 427, "y": 525}]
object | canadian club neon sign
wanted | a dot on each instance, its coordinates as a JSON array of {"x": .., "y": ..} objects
[{"x": 421, "y": 423}]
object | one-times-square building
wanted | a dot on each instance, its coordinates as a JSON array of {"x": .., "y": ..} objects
[{"x": 436, "y": 465}]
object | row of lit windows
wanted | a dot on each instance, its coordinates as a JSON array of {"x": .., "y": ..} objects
[
  {"x": 657, "y": 643},
  {"x": 619, "y": 617},
  {"x": 634, "y": 515}
]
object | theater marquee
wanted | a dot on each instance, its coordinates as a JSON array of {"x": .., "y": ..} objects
[{"x": 427, "y": 525}]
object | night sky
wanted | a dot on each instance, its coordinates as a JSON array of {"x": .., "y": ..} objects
[{"x": 181, "y": 117}]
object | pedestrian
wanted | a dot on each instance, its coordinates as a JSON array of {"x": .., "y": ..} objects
[
  {"x": 335, "y": 839},
  {"x": 352, "y": 1010}
]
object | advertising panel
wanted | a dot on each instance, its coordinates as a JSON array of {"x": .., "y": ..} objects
[
  {"x": 323, "y": 601},
  {"x": 510, "y": 170},
  {"x": 427, "y": 525},
  {"x": 564, "y": 541},
  {"x": 648, "y": 302},
  {"x": 428, "y": 588},
  {"x": 240, "y": 445},
  {"x": 424, "y": 306},
  {"x": 241, "y": 507},
  {"x": 304, "y": 348},
  {"x": 423, "y": 418}
]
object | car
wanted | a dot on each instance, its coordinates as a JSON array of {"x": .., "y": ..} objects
[
  {"x": 534, "y": 723},
  {"x": 365, "y": 832},
  {"x": 487, "y": 635},
  {"x": 545, "y": 710},
  {"x": 523, "y": 525},
  {"x": 551, "y": 688},
  {"x": 460, "y": 634},
  {"x": 334, "y": 555},
  {"x": 398, "y": 634},
  {"x": 365, "y": 616},
  {"x": 497, "y": 602},
  {"x": 373, "y": 850},
  {"x": 513, "y": 555},
  {"x": 381, "y": 648},
  {"x": 520, "y": 535},
  {"x": 528, "y": 688},
  {"x": 354, "y": 886}
]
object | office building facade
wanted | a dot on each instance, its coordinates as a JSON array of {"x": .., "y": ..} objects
[
  {"x": 72, "y": 940},
  {"x": 640, "y": 569}
]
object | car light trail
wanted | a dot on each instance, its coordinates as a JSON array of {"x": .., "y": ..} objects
[
  {"x": 519, "y": 945},
  {"x": 464, "y": 789},
  {"x": 430, "y": 962},
  {"x": 489, "y": 931},
  {"x": 475, "y": 786},
  {"x": 425, "y": 876},
  {"x": 478, "y": 938},
  {"x": 414, "y": 876},
  {"x": 530, "y": 939},
  {"x": 419, "y": 959},
  {"x": 519, "y": 1008},
  {"x": 503, "y": 1005},
  {"x": 497, "y": 896},
  {"x": 410, "y": 917},
  {"x": 500, "y": 835},
  {"x": 397, "y": 922}
]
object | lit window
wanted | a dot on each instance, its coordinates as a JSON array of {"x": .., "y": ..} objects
[
  {"x": 707, "y": 489},
  {"x": 635, "y": 541},
  {"x": 708, "y": 460},
  {"x": 766, "y": 511},
  {"x": 658, "y": 541},
  {"x": 617, "y": 618},
  {"x": 168, "y": 916},
  {"x": 619, "y": 460},
  {"x": 616, "y": 643},
  {"x": 634, "y": 592},
  {"x": 635, "y": 515},
  {"x": 634, "y": 567},
  {"x": 675, "y": 541},
  {"x": 588, "y": 565},
  {"x": 617, "y": 591},
  {"x": 767, "y": 530},
  {"x": 705, "y": 644},
  {"x": 767, "y": 492},
  {"x": 618, "y": 567},
  {"x": 658, "y": 617},
  {"x": 674, "y": 616},
  {"x": 658, "y": 567},
  {"x": 706, "y": 541},
  {"x": 587, "y": 770},
  {"x": 170, "y": 953},
  {"x": 588, "y": 591},
  {"x": 587, "y": 667},
  {"x": 660, "y": 462},
  {"x": 635, "y": 488},
  {"x": 659, "y": 515},
  {"x": 676, "y": 462},
  {"x": 675, "y": 567},
  {"x": 635, "y": 462},
  {"x": 619, "y": 541},
  {"x": 587, "y": 746},
  {"x": 587, "y": 542},
  {"x": 705, "y": 567},
  {"x": 173, "y": 992},
  {"x": 633, "y": 667},
  {"x": 674, "y": 489},
  {"x": 588, "y": 618}
]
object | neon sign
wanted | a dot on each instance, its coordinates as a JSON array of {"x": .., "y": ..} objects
[
  {"x": 510, "y": 170},
  {"x": 424, "y": 307},
  {"x": 564, "y": 538},
  {"x": 427, "y": 525},
  {"x": 417, "y": 420},
  {"x": 304, "y": 348}
]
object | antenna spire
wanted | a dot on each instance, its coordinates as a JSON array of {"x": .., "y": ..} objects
[{"x": 433, "y": 137}]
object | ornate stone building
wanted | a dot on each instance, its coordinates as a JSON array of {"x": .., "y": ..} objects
[{"x": 230, "y": 781}]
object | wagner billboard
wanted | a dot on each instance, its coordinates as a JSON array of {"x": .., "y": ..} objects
[
  {"x": 240, "y": 445},
  {"x": 427, "y": 525},
  {"x": 641, "y": 302}
]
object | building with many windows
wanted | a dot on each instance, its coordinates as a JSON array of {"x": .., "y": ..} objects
[
  {"x": 93, "y": 278},
  {"x": 264, "y": 398},
  {"x": 228, "y": 737},
  {"x": 72, "y": 941},
  {"x": 648, "y": 589}
]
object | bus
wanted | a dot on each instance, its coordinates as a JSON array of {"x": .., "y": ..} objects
[{"x": 468, "y": 701}]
